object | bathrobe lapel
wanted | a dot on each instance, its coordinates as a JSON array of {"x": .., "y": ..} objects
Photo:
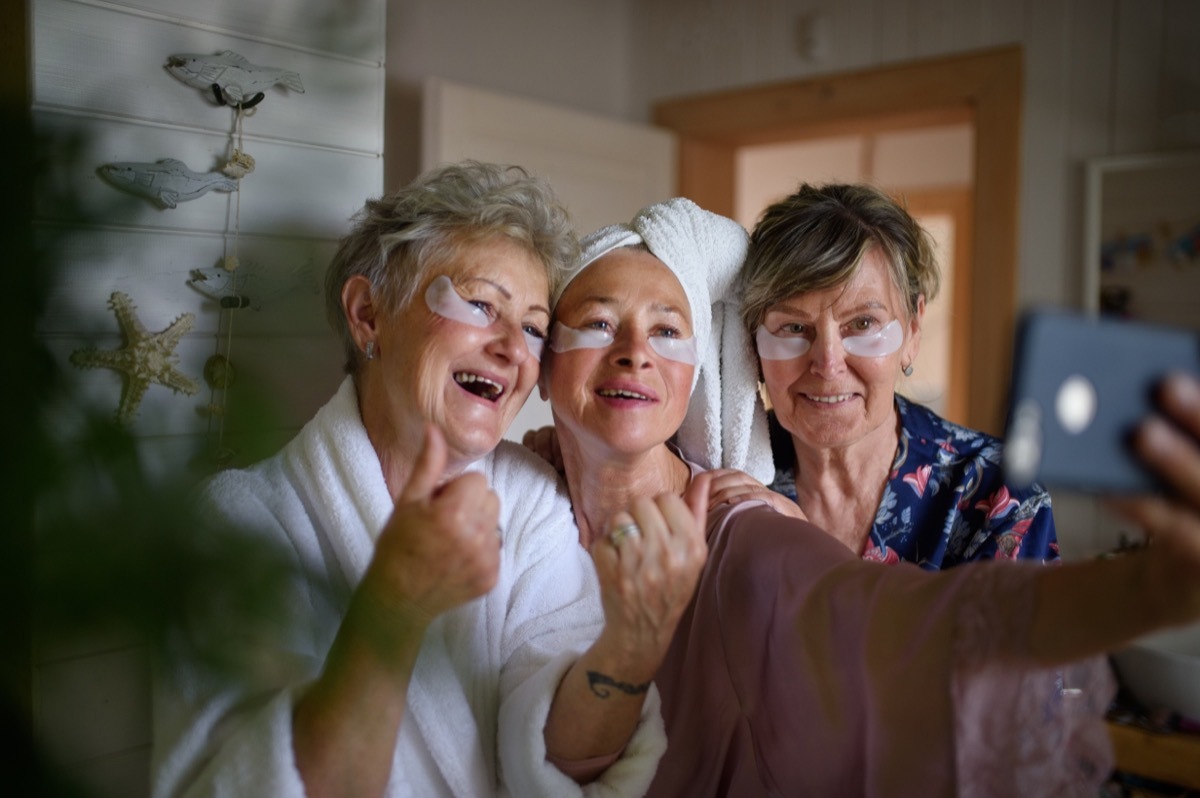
[{"x": 334, "y": 458}]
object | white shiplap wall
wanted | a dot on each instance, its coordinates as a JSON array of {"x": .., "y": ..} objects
[
  {"x": 98, "y": 74},
  {"x": 1102, "y": 77}
]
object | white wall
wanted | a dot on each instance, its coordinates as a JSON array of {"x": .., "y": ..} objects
[{"x": 98, "y": 73}]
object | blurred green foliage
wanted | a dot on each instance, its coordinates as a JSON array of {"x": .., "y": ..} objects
[{"x": 93, "y": 542}]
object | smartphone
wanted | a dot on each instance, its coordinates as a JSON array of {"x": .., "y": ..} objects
[{"x": 1080, "y": 385}]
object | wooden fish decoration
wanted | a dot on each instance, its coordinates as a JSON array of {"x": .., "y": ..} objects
[
  {"x": 167, "y": 182},
  {"x": 232, "y": 79}
]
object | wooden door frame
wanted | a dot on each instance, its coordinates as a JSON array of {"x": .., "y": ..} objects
[
  {"x": 955, "y": 203},
  {"x": 983, "y": 88}
]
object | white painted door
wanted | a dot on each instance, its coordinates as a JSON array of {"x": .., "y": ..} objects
[{"x": 603, "y": 169}]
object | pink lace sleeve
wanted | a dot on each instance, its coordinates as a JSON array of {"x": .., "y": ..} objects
[{"x": 1021, "y": 730}]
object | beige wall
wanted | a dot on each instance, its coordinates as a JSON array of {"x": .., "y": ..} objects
[{"x": 572, "y": 53}]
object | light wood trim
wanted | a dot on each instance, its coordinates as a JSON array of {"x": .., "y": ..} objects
[
  {"x": 955, "y": 202},
  {"x": 1173, "y": 758},
  {"x": 710, "y": 179},
  {"x": 984, "y": 88}
]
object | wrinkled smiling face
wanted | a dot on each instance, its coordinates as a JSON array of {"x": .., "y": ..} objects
[
  {"x": 828, "y": 397},
  {"x": 625, "y": 397},
  {"x": 468, "y": 379}
]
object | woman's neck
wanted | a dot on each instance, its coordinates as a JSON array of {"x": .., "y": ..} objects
[
  {"x": 839, "y": 488},
  {"x": 602, "y": 482},
  {"x": 397, "y": 444}
]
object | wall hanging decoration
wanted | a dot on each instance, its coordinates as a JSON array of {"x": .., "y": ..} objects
[
  {"x": 167, "y": 182},
  {"x": 231, "y": 79},
  {"x": 146, "y": 357},
  {"x": 248, "y": 286}
]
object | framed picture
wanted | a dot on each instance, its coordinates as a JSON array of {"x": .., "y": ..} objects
[{"x": 1142, "y": 237}]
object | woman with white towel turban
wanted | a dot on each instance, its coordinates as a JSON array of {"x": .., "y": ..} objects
[
  {"x": 798, "y": 668},
  {"x": 453, "y": 640}
]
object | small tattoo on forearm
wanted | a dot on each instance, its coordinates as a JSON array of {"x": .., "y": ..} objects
[{"x": 600, "y": 684}]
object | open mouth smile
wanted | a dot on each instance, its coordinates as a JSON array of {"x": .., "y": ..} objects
[{"x": 478, "y": 385}]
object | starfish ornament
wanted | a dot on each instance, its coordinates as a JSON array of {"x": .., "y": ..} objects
[{"x": 146, "y": 357}]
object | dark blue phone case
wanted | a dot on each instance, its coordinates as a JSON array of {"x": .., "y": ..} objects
[{"x": 1064, "y": 362}]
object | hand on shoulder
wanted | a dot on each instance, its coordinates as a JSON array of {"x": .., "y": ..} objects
[{"x": 730, "y": 486}]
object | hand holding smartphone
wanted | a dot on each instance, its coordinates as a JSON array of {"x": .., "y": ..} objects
[{"x": 1080, "y": 386}]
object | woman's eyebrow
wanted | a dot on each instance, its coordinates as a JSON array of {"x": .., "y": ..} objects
[
  {"x": 870, "y": 304},
  {"x": 504, "y": 292},
  {"x": 665, "y": 308}
]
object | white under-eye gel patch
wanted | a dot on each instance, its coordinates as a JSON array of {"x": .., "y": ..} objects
[
  {"x": 443, "y": 300},
  {"x": 534, "y": 345},
  {"x": 780, "y": 347},
  {"x": 681, "y": 350},
  {"x": 789, "y": 347},
  {"x": 876, "y": 344},
  {"x": 564, "y": 339}
]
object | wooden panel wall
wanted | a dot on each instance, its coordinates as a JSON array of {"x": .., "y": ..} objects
[{"x": 100, "y": 83}]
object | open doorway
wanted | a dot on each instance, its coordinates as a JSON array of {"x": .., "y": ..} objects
[
  {"x": 981, "y": 90},
  {"x": 929, "y": 170}
]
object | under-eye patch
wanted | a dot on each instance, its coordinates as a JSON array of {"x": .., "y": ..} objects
[
  {"x": 443, "y": 300},
  {"x": 681, "y": 350},
  {"x": 780, "y": 347},
  {"x": 534, "y": 345},
  {"x": 876, "y": 344},
  {"x": 564, "y": 339},
  {"x": 789, "y": 347}
]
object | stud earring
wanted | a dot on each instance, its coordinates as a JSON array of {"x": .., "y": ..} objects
[
  {"x": 907, "y": 370},
  {"x": 370, "y": 350}
]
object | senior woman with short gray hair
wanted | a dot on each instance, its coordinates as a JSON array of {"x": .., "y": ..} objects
[
  {"x": 835, "y": 284},
  {"x": 450, "y": 612}
]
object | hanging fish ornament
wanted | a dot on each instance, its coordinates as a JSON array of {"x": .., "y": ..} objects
[
  {"x": 230, "y": 77},
  {"x": 167, "y": 182},
  {"x": 234, "y": 289}
]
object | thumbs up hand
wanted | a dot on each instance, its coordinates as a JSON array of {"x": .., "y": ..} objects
[
  {"x": 440, "y": 548},
  {"x": 648, "y": 566}
]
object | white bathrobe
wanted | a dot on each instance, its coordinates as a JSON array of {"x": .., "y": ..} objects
[{"x": 486, "y": 673}]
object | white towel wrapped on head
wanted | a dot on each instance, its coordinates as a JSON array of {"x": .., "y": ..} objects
[{"x": 726, "y": 423}]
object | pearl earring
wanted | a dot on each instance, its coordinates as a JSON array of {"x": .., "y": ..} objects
[{"x": 907, "y": 370}]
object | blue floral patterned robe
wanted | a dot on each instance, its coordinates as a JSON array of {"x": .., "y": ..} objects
[{"x": 946, "y": 503}]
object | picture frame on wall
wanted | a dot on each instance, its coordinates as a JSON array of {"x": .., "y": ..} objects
[{"x": 1142, "y": 237}]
